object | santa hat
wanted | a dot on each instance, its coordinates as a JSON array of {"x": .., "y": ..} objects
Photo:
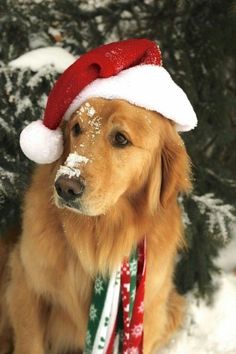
[{"x": 130, "y": 70}]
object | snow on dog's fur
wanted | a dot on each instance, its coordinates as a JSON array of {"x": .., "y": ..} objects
[{"x": 131, "y": 183}]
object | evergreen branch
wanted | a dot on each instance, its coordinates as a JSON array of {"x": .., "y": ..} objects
[
  {"x": 225, "y": 181},
  {"x": 218, "y": 214}
]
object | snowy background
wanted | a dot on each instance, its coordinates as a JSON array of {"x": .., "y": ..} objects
[{"x": 209, "y": 328}]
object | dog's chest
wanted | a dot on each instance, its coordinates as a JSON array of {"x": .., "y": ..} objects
[{"x": 73, "y": 291}]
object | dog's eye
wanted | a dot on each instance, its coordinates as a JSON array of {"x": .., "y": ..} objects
[
  {"x": 76, "y": 130},
  {"x": 119, "y": 140}
]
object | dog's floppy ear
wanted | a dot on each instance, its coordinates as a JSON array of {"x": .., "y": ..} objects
[
  {"x": 154, "y": 183},
  {"x": 170, "y": 170},
  {"x": 175, "y": 168}
]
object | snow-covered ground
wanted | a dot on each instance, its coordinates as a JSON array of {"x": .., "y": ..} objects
[{"x": 210, "y": 329}]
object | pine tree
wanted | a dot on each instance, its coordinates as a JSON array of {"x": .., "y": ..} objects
[{"x": 196, "y": 38}]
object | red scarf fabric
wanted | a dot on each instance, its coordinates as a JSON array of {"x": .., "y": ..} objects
[{"x": 133, "y": 327}]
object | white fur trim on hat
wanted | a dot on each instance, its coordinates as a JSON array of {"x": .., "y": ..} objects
[
  {"x": 41, "y": 144},
  {"x": 148, "y": 86}
]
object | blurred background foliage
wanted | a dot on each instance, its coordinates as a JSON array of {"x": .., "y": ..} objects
[{"x": 198, "y": 42}]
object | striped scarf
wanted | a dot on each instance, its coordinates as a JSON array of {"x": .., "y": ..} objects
[{"x": 115, "y": 324}]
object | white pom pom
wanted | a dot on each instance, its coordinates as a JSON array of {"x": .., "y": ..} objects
[{"x": 41, "y": 144}]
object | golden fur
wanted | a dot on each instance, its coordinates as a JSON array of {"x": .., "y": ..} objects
[{"x": 130, "y": 192}]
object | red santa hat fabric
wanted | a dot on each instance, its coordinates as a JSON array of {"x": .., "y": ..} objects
[{"x": 130, "y": 70}]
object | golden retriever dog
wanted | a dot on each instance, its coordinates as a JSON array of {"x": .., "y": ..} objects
[{"x": 133, "y": 166}]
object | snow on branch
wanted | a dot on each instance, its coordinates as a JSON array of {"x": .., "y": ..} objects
[
  {"x": 7, "y": 181},
  {"x": 218, "y": 214},
  {"x": 37, "y": 58}
]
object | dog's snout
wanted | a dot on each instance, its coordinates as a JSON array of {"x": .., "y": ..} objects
[{"x": 70, "y": 188}]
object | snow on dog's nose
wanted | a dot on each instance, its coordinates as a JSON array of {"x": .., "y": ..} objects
[
  {"x": 69, "y": 183},
  {"x": 70, "y": 168}
]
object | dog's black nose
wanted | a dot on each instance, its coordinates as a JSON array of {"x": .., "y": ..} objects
[{"x": 69, "y": 188}]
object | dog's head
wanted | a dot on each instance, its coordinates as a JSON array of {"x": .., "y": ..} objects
[{"x": 115, "y": 151}]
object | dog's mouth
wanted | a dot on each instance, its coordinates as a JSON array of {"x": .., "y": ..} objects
[
  {"x": 82, "y": 206},
  {"x": 76, "y": 205},
  {"x": 72, "y": 192}
]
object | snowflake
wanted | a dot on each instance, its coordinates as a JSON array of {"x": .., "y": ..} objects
[
  {"x": 133, "y": 350},
  {"x": 132, "y": 294},
  {"x": 133, "y": 267},
  {"x": 99, "y": 286},
  {"x": 126, "y": 269},
  {"x": 141, "y": 307},
  {"x": 92, "y": 312},
  {"x": 126, "y": 308},
  {"x": 137, "y": 330},
  {"x": 88, "y": 338}
]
